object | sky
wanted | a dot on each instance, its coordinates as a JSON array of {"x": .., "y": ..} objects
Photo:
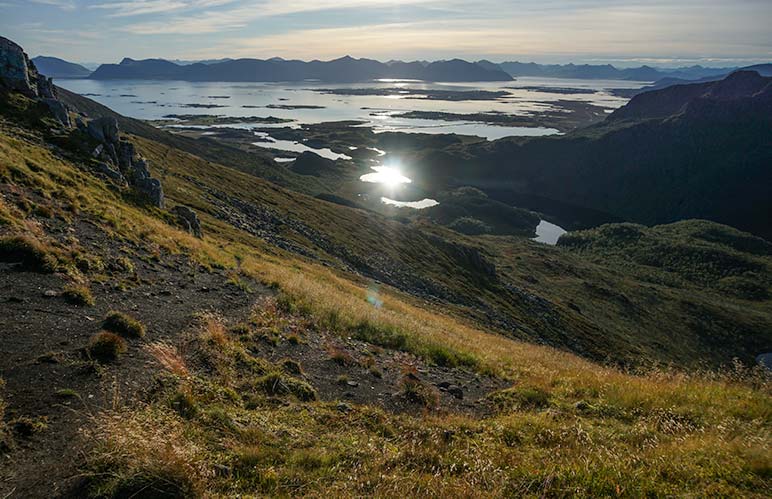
[{"x": 621, "y": 32}]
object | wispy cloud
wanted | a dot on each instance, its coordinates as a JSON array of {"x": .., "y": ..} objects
[
  {"x": 62, "y": 4},
  {"x": 656, "y": 30},
  {"x": 240, "y": 15},
  {"x": 127, "y": 8},
  {"x": 608, "y": 32}
]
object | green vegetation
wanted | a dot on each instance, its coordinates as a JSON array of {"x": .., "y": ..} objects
[
  {"x": 470, "y": 211},
  {"x": 566, "y": 427},
  {"x": 106, "y": 346},
  {"x": 222, "y": 420},
  {"x": 67, "y": 393},
  {"x": 78, "y": 294},
  {"x": 123, "y": 324},
  {"x": 33, "y": 254}
]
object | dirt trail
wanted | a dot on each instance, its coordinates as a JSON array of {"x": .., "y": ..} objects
[{"x": 41, "y": 342}]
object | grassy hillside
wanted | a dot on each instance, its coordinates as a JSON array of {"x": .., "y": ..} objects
[{"x": 278, "y": 400}]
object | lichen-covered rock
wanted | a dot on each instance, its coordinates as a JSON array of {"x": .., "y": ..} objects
[
  {"x": 104, "y": 129},
  {"x": 151, "y": 189},
  {"x": 188, "y": 219},
  {"x": 121, "y": 157},
  {"x": 59, "y": 111},
  {"x": 18, "y": 73},
  {"x": 111, "y": 173},
  {"x": 126, "y": 154}
]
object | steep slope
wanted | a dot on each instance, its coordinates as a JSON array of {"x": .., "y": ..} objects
[
  {"x": 691, "y": 151},
  {"x": 58, "y": 68},
  {"x": 410, "y": 259},
  {"x": 267, "y": 357},
  {"x": 672, "y": 100}
]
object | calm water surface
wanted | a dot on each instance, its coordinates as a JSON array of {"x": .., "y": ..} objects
[{"x": 154, "y": 99}]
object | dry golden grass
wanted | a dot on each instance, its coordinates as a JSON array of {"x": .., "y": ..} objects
[
  {"x": 145, "y": 450},
  {"x": 213, "y": 330},
  {"x": 169, "y": 357},
  {"x": 569, "y": 427}
]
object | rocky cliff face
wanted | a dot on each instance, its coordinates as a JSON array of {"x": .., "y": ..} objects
[
  {"x": 118, "y": 158},
  {"x": 18, "y": 73}
]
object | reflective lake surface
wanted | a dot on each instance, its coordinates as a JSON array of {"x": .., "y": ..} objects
[
  {"x": 303, "y": 103},
  {"x": 385, "y": 175},
  {"x": 293, "y": 146},
  {"x": 417, "y": 205},
  {"x": 548, "y": 233}
]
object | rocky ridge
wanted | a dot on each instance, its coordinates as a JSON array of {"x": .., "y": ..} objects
[{"x": 117, "y": 157}]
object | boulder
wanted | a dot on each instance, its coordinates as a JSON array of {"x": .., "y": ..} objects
[
  {"x": 104, "y": 129},
  {"x": 151, "y": 189},
  {"x": 59, "y": 110},
  {"x": 188, "y": 219},
  {"x": 126, "y": 154}
]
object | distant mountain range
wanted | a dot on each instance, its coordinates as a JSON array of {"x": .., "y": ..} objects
[
  {"x": 59, "y": 68},
  {"x": 345, "y": 69},
  {"x": 607, "y": 71},
  {"x": 348, "y": 69}
]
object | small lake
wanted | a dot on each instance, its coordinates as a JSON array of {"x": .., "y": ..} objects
[
  {"x": 303, "y": 103},
  {"x": 548, "y": 233},
  {"x": 386, "y": 175},
  {"x": 293, "y": 146}
]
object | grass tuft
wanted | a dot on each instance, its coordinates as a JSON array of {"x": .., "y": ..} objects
[
  {"x": 169, "y": 357},
  {"x": 278, "y": 384},
  {"x": 78, "y": 294},
  {"x": 123, "y": 324},
  {"x": 106, "y": 346},
  {"x": 29, "y": 251}
]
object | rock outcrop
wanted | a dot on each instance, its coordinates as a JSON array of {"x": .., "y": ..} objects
[
  {"x": 120, "y": 160},
  {"x": 59, "y": 111},
  {"x": 18, "y": 73},
  {"x": 188, "y": 219}
]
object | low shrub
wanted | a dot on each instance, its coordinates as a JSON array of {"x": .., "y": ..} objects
[
  {"x": 417, "y": 391},
  {"x": 279, "y": 384},
  {"x": 125, "y": 325},
  {"x": 106, "y": 346},
  {"x": 184, "y": 404},
  {"x": 78, "y": 294},
  {"x": 30, "y": 252}
]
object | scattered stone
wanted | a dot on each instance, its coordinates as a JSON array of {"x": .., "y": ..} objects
[
  {"x": 343, "y": 407},
  {"x": 456, "y": 391},
  {"x": 50, "y": 293},
  {"x": 352, "y": 383},
  {"x": 582, "y": 406},
  {"x": 188, "y": 219}
]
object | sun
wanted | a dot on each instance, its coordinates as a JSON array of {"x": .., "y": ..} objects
[{"x": 386, "y": 175}]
